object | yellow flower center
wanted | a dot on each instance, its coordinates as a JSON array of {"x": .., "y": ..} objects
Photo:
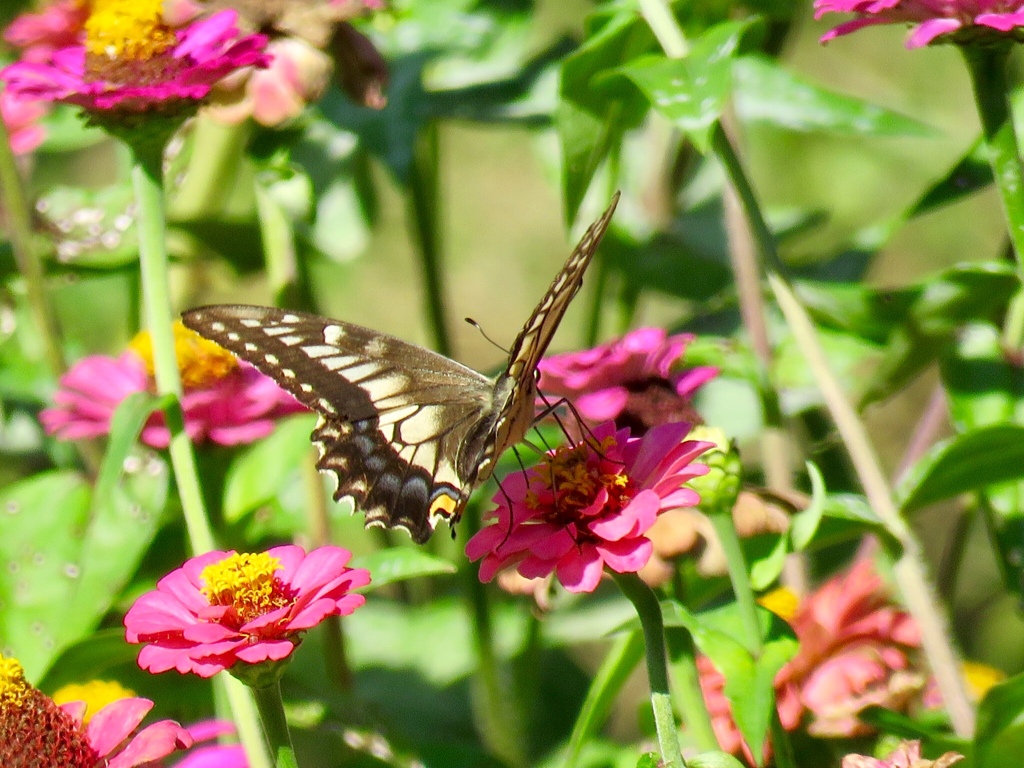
[
  {"x": 980, "y": 678},
  {"x": 247, "y": 583},
  {"x": 574, "y": 479},
  {"x": 127, "y": 29},
  {"x": 202, "y": 362},
  {"x": 96, "y": 694},
  {"x": 13, "y": 687},
  {"x": 783, "y": 602}
]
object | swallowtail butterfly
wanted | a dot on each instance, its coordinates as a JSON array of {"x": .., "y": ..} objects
[{"x": 407, "y": 432}]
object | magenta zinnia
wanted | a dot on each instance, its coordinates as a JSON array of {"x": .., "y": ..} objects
[
  {"x": 588, "y": 506},
  {"x": 934, "y": 20},
  {"x": 37, "y": 733},
  {"x": 225, "y": 401},
  {"x": 634, "y": 380},
  {"x": 131, "y": 62},
  {"x": 222, "y": 608}
]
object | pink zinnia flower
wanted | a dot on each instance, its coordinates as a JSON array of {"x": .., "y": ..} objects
[
  {"x": 906, "y": 755},
  {"x": 56, "y": 26},
  {"x": 225, "y": 401},
  {"x": 222, "y": 608},
  {"x": 934, "y": 19},
  {"x": 148, "y": 68},
  {"x": 856, "y": 650},
  {"x": 22, "y": 118},
  {"x": 212, "y": 755},
  {"x": 583, "y": 508},
  {"x": 630, "y": 380},
  {"x": 34, "y": 731}
]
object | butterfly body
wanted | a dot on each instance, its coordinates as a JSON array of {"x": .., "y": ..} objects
[{"x": 408, "y": 433}]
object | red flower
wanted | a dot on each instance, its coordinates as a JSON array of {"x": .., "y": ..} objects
[
  {"x": 222, "y": 608},
  {"x": 36, "y": 732},
  {"x": 629, "y": 380},
  {"x": 583, "y": 507}
]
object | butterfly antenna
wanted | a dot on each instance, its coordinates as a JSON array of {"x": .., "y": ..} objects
[
  {"x": 590, "y": 438},
  {"x": 483, "y": 333}
]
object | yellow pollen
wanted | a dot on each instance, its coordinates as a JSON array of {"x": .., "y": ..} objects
[
  {"x": 96, "y": 694},
  {"x": 576, "y": 480},
  {"x": 980, "y": 678},
  {"x": 202, "y": 362},
  {"x": 127, "y": 29},
  {"x": 13, "y": 686},
  {"x": 782, "y": 602},
  {"x": 246, "y": 582}
]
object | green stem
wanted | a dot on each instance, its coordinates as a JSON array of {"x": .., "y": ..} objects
[
  {"x": 423, "y": 200},
  {"x": 242, "y": 710},
  {"x": 658, "y": 15},
  {"x": 275, "y": 727},
  {"x": 218, "y": 151},
  {"x": 737, "y": 565},
  {"x": 149, "y": 194},
  {"x": 649, "y": 610},
  {"x": 687, "y": 693},
  {"x": 19, "y": 220}
]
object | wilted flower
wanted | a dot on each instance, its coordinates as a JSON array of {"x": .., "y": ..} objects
[
  {"x": 132, "y": 62},
  {"x": 856, "y": 651},
  {"x": 34, "y": 731},
  {"x": 588, "y": 506},
  {"x": 221, "y": 608},
  {"x": 629, "y": 380},
  {"x": 957, "y": 21},
  {"x": 906, "y": 755},
  {"x": 225, "y": 401}
]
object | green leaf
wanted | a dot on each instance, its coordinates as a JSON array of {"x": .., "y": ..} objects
[
  {"x": 125, "y": 427},
  {"x": 615, "y": 670},
  {"x": 713, "y": 760},
  {"x": 589, "y": 120},
  {"x": 768, "y": 93},
  {"x": 260, "y": 472},
  {"x": 766, "y": 564},
  {"x": 649, "y": 760},
  {"x": 968, "y": 462},
  {"x": 691, "y": 92},
  {"x": 984, "y": 388},
  {"x": 805, "y": 523},
  {"x": 999, "y": 736},
  {"x": 386, "y": 566}
]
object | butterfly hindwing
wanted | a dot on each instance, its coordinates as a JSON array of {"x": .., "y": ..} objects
[{"x": 393, "y": 416}]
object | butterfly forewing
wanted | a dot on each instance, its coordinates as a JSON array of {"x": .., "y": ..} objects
[
  {"x": 393, "y": 415},
  {"x": 407, "y": 433}
]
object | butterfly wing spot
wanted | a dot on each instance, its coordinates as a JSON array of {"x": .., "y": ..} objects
[
  {"x": 290, "y": 318},
  {"x": 333, "y": 334},
  {"x": 319, "y": 350},
  {"x": 250, "y": 347},
  {"x": 375, "y": 347},
  {"x": 278, "y": 330},
  {"x": 338, "y": 361},
  {"x": 218, "y": 327},
  {"x": 250, "y": 322},
  {"x": 443, "y": 505},
  {"x": 288, "y": 372},
  {"x": 305, "y": 387},
  {"x": 361, "y": 371},
  {"x": 292, "y": 340},
  {"x": 233, "y": 337},
  {"x": 325, "y": 404},
  {"x": 272, "y": 359}
]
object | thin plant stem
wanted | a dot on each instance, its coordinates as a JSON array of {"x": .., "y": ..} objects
[
  {"x": 242, "y": 711},
  {"x": 737, "y": 566},
  {"x": 908, "y": 569},
  {"x": 275, "y": 727},
  {"x": 649, "y": 610},
  {"x": 149, "y": 195},
  {"x": 19, "y": 220},
  {"x": 686, "y": 691},
  {"x": 423, "y": 209},
  {"x": 658, "y": 15}
]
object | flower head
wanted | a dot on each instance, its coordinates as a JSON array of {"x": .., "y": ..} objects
[
  {"x": 222, "y": 608},
  {"x": 588, "y": 506},
  {"x": 629, "y": 380},
  {"x": 212, "y": 755},
  {"x": 225, "y": 401},
  {"x": 34, "y": 731},
  {"x": 58, "y": 25},
  {"x": 21, "y": 118},
  {"x": 957, "y": 21},
  {"x": 906, "y": 755},
  {"x": 133, "y": 63}
]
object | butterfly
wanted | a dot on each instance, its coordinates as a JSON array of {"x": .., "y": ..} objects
[{"x": 407, "y": 433}]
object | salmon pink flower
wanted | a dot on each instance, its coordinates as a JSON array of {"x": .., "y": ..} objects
[
  {"x": 630, "y": 380},
  {"x": 588, "y": 506},
  {"x": 132, "y": 63},
  {"x": 906, "y": 755},
  {"x": 225, "y": 401},
  {"x": 34, "y": 731},
  {"x": 947, "y": 21},
  {"x": 221, "y": 608}
]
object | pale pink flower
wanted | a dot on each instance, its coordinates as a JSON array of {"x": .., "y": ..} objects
[
  {"x": 583, "y": 508},
  {"x": 856, "y": 650},
  {"x": 933, "y": 20},
  {"x": 630, "y": 380},
  {"x": 58, "y": 25},
  {"x": 237, "y": 406},
  {"x": 36, "y": 732},
  {"x": 906, "y": 755},
  {"x": 174, "y": 79},
  {"x": 212, "y": 755},
  {"x": 22, "y": 118},
  {"x": 222, "y": 608}
]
